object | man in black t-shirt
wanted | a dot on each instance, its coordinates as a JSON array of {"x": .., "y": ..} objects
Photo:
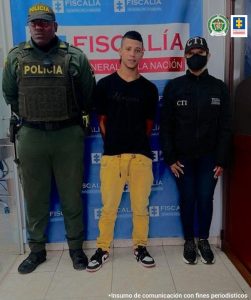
[{"x": 126, "y": 105}]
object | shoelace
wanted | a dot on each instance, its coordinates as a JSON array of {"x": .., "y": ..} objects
[
  {"x": 204, "y": 244},
  {"x": 32, "y": 257},
  {"x": 190, "y": 245}
]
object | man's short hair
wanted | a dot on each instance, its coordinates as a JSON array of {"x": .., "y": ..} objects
[{"x": 133, "y": 35}]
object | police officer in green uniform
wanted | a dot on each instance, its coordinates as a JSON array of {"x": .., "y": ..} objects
[{"x": 49, "y": 84}]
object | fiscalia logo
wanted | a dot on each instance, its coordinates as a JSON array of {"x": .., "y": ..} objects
[
  {"x": 106, "y": 43},
  {"x": 163, "y": 45}
]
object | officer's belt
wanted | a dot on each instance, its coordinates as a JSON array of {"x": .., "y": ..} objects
[{"x": 47, "y": 126}]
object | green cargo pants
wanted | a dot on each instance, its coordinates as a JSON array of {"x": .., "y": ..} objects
[{"x": 42, "y": 154}]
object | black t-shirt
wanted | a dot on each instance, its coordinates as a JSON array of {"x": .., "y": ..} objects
[{"x": 127, "y": 106}]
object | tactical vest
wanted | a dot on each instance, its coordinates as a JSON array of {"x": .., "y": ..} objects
[{"x": 46, "y": 91}]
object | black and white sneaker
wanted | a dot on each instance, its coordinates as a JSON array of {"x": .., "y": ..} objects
[
  {"x": 205, "y": 252},
  {"x": 143, "y": 256},
  {"x": 190, "y": 252},
  {"x": 97, "y": 260}
]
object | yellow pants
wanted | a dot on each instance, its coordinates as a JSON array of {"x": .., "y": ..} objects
[{"x": 115, "y": 172}]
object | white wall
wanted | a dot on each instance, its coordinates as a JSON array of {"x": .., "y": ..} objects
[
  {"x": 5, "y": 45},
  {"x": 216, "y": 67},
  {"x": 216, "y": 44},
  {"x": 11, "y": 237}
]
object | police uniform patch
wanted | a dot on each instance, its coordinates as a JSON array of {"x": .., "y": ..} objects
[{"x": 30, "y": 69}]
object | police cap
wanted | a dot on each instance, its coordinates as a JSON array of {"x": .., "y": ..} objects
[
  {"x": 196, "y": 42},
  {"x": 41, "y": 11}
]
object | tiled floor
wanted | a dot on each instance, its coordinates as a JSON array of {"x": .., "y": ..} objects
[{"x": 170, "y": 279}]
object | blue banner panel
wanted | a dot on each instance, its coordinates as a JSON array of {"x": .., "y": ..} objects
[{"x": 96, "y": 27}]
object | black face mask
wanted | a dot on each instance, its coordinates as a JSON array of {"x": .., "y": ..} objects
[{"x": 196, "y": 62}]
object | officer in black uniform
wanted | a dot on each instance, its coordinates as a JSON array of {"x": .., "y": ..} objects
[
  {"x": 195, "y": 136},
  {"x": 49, "y": 84}
]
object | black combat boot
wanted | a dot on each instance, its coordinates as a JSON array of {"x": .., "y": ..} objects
[
  {"x": 79, "y": 259},
  {"x": 32, "y": 261}
]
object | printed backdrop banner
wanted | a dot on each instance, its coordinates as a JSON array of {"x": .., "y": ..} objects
[{"x": 96, "y": 27}]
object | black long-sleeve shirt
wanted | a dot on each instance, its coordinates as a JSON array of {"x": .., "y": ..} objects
[{"x": 195, "y": 118}]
